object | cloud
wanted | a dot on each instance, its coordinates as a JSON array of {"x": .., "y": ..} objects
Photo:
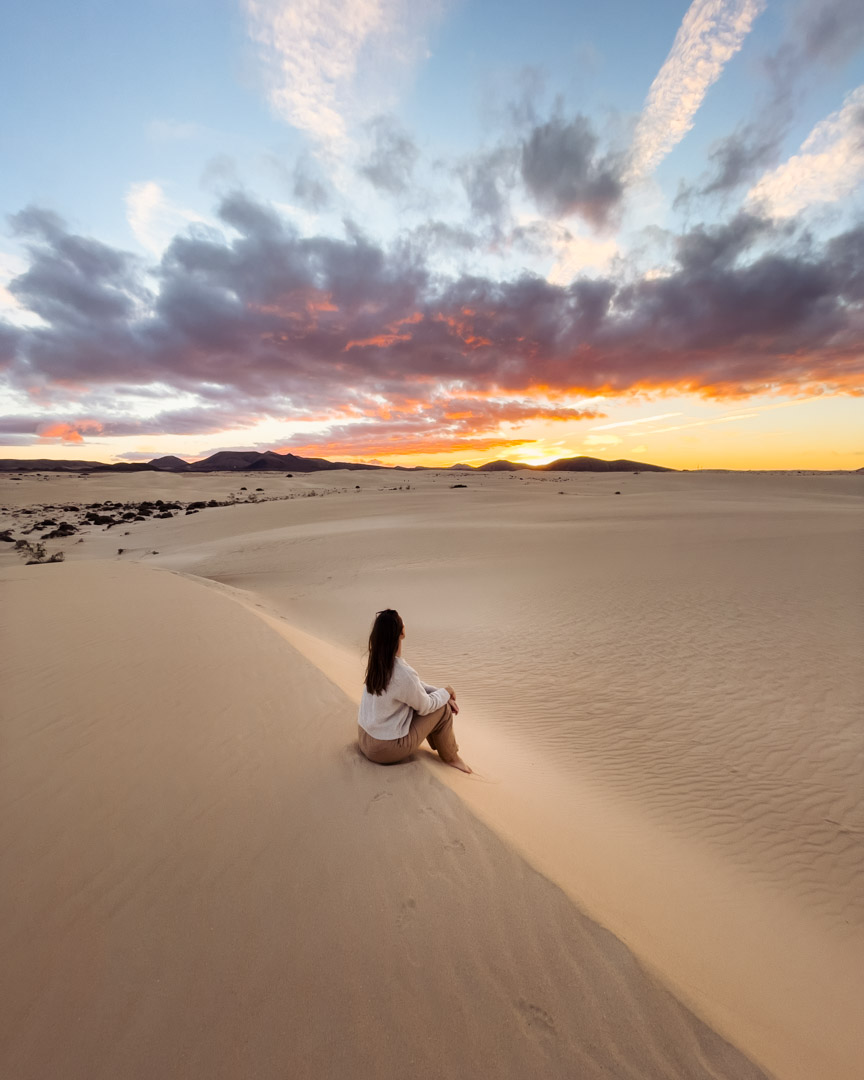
[
  {"x": 144, "y": 455},
  {"x": 709, "y": 36},
  {"x": 821, "y": 34},
  {"x": 9, "y": 338},
  {"x": 641, "y": 420},
  {"x": 201, "y": 419},
  {"x": 10, "y": 267},
  {"x": 441, "y": 235},
  {"x": 390, "y": 164},
  {"x": 332, "y": 61},
  {"x": 730, "y": 418},
  {"x": 488, "y": 177},
  {"x": 382, "y": 440},
  {"x": 308, "y": 186},
  {"x": 452, "y": 424},
  {"x": 736, "y": 158},
  {"x": 557, "y": 162},
  {"x": 601, "y": 440},
  {"x": 261, "y": 322},
  {"x": 153, "y": 218},
  {"x": 69, "y": 433},
  {"x": 702, "y": 249},
  {"x": 562, "y": 170},
  {"x": 824, "y": 32},
  {"x": 72, "y": 280},
  {"x": 829, "y": 165}
]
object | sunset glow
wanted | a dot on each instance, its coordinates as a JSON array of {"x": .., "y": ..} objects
[{"x": 486, "y": 255}]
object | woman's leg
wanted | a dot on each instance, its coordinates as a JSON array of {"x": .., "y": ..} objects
[{"x": 437, "y": 729}]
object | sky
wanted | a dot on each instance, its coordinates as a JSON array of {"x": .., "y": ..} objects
[{"x": 422, "y": 233}]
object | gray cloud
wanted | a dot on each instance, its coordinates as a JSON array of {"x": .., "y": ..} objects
[
  {"x": 308, "y": 186},
  {"x": 488, "y": 178},
  {"x": 9, "y": 337},
  {"x": 270, "y": 323},
  {"x": 441, "y": 235},
  {"x": 740, "y": 157},
  {"x": 824, "y": 32},
  {"x": 562, "y": 169},
  {"x": 704, "y": 248},
  {"x": 390, "y": 163},
  {"x": 72, "y": 279},
  {"x": 302, "y": 180}
]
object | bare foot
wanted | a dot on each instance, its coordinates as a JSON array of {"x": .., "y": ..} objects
[{"x": 458, "y": 763}]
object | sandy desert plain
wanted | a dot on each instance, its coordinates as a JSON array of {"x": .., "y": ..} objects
[{"x": 655, "y": 871}]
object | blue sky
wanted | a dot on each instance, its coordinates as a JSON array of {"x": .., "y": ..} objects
[{"x": 532, "y": 197}]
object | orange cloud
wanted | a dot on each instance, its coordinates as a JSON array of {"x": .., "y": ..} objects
[
  {"x": 464, "y": 329},
  {"x": 408, "y": 427},
  {"x": 382, "y": 341},
  {"x": 406, "y": 446},
  {"x": 70, "y": 433}
]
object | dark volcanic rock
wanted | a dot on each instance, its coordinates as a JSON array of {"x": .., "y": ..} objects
[{"x": 65, "y": 528}]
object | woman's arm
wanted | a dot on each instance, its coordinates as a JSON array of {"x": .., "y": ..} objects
[
  {"x": 450, "y": 691},
  {"x": 431, "y": 689},
  {"x": 423, "y": 700}
]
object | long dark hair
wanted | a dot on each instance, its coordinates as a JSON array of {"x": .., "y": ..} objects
[{"x": 383, "y": 643}]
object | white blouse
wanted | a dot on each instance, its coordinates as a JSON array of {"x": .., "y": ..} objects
[{"x": 388, "y": 715}]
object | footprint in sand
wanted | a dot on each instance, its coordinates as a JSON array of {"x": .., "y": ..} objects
[
  {"x": 406, "y": 913},
  {"x": 535, "y": 1017},
  {"x": 377, "y": 798},
  {"x": 456, "y": 845}
]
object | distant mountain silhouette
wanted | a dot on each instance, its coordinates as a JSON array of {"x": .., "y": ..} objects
[
  {"x": 503, "y": 466},
  {"x": 171, "y": 463},
  {"x": 44, "y": 465},
  {"x": 593, "y": 464},
  {"x": 572, "y": 464},
  {"x": 270, "y": 461}
]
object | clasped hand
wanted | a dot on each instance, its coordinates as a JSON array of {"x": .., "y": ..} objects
[{"x": 453, "y": 704}]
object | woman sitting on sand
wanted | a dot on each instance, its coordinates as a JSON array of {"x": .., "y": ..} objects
[{"x": 397, "y": 710}]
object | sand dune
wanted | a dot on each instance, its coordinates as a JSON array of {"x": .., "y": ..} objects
[
  {"x": 203, "y": 878},
  {"x": 662, "y": 697}
]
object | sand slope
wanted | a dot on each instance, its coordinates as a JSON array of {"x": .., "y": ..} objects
[{"x": 201, "y": 877}]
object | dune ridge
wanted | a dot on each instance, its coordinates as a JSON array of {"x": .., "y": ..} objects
[
  {"x": 203, "y": 877},
  {"x": 745, "y": 959}
]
